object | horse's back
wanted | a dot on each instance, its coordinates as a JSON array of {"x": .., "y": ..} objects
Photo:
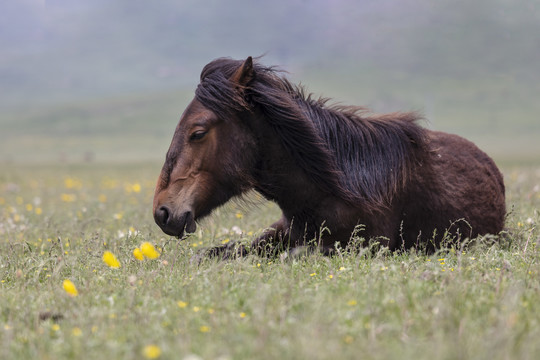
[{"x": 458, "y": 187}]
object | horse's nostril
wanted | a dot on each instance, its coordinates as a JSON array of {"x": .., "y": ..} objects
[{"x": 162, "y": 216}]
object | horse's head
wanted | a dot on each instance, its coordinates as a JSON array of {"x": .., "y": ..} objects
[{"x": 211, "y": 153}]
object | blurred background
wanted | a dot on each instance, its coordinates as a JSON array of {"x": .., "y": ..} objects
[{"x": 106, "y": 81}]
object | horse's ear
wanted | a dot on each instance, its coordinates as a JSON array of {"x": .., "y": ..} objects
[{"x": 245, "y": 73}]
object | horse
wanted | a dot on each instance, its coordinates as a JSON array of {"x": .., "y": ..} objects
[{"x": 328, "y": 167}]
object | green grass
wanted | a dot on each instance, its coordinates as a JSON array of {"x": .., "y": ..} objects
[{"x": 481, "y": 302}]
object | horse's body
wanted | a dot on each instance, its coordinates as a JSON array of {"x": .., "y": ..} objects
[{"x": 248, "y": 128}]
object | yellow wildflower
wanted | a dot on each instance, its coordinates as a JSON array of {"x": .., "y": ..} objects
[
  {"x": 149, "y": 250},
  {"x": 68, "y": 197},
  {"x": 76, "y": 331},
  {"x": 182, "y": 304},
  {"x": 151, "y": 351},
  {"x": 132, "y": 188},
  {"x": 70, "y": 288},
  {"x": 204, "y": 329},
  {"x": 137, "y": 253},
  {"x": 351, "y": 302},
  {"x": 111, "y": 260},
  {"x": 239, "y": 215},
  {"x": 71, "y": 183}
]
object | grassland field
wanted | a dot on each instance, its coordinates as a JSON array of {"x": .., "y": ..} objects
[{"x": 56, "y": 222}]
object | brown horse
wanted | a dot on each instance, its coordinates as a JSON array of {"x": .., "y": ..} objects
[{"x": 249, "y": 128}]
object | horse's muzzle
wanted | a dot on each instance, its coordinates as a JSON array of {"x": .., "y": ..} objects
[{"x": 174, "y": 225}]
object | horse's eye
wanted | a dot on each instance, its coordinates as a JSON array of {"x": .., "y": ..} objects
[{"x": 197, "y": 135}]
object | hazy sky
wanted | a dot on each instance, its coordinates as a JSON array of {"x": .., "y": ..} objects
[{"x": 92, "y": 47}]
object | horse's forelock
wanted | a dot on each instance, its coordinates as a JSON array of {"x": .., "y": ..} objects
[{"x": 219, "y": 94}]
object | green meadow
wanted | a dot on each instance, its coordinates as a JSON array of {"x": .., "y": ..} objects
[{"x": 478, "y": 301}]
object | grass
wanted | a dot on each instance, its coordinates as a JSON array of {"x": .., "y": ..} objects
[{"x": 56, "y": 223}]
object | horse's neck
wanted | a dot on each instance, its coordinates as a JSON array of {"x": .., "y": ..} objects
[{"x": 279, "y": 178}]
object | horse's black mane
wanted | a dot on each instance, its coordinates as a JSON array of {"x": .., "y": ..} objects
[{"x": 357, "y": 157}]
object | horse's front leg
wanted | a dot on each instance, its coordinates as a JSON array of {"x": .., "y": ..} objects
[{"x": 276, "y": 237}]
